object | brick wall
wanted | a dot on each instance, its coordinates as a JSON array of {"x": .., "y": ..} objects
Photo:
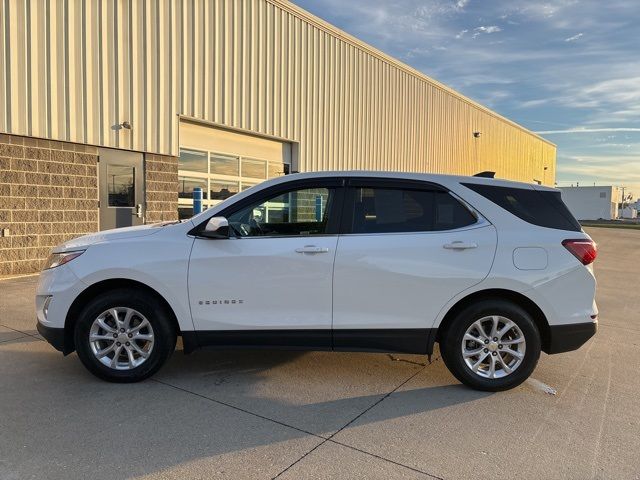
[
  {"x": 161, "y": 182},
  {"x": 48, "y": 194},
  {"x": 305, "y": 204}
]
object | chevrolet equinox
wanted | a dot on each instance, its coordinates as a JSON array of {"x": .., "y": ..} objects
[{"x": 494, "y": 271}]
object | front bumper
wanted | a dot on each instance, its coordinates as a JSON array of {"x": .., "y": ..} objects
[
  {"x": 565, "y": 338},
  {"x": 55, "y": 336}
]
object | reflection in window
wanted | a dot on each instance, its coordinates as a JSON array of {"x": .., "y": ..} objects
[
  {"x": 221, "y": 190},
  {"x": 385, "y": 210},
  {"x": 193, "y": 161},
  {"x": 254, "y": 168},
  {"x": 225, "y": 165},
  {"x": 121, "y": 185},
  {"x": 187, "y": 184},
  {"x": 299, "y": 212},
  {"x": 278, "y": 169},
  {"x": 221, "y": 175},
  {"x": 185, "y": 212}
]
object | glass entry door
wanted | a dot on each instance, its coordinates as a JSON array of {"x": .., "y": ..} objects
[{"x": 121, "y": 188}]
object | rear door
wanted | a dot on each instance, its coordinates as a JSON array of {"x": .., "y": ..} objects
[{"x": 406, "y": 249}]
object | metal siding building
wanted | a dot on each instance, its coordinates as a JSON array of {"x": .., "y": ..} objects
[{"x": 75, "y": 71}]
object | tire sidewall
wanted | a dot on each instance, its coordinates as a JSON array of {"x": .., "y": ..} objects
[
  {"x": 452, "y": 353},
  {"x": 164, "y": 334}
]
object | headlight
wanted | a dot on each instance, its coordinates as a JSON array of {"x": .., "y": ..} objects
[{"x": 57, "y": 259}]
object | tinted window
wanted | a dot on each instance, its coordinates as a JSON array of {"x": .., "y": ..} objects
[
  {"x": 387, "y": 210},
  {"x": 543, "y": 208},
  {"x": 298, "y": 212}
]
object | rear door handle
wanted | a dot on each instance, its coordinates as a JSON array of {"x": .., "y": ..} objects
[
  {"x": 458, "y": 245},
  {"x": 312, "y": 249}
]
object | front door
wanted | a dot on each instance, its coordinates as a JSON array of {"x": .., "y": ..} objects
[
  {"x": 272, "y": 284},
  {"x": 121, "y": 178},
  {"x": 407, "y": 250}
]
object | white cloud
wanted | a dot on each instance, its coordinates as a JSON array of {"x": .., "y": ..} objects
[
  {"x": 574, "y": 38},
  {"x": 588, "y": 130},
  {"x": 488, "y": 29},
  {"x": 616, "y": 100},
  {"x": 534, "y": 103},
  {"x": 460, "y": 4},
  {"x": 461, "y": 33},
  {"x": 613, "y": 145},
  {"x": 599, "y": 169}
]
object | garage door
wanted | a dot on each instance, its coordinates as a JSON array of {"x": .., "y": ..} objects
[{"x": 224, "y": 162}]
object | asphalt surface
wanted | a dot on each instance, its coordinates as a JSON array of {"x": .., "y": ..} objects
[{"x": 292, "y": 415}]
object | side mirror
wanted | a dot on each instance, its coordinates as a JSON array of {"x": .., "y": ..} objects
[{"x": 216, "y": 227}]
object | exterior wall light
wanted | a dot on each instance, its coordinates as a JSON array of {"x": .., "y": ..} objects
[{"x": 119, "y": 126}]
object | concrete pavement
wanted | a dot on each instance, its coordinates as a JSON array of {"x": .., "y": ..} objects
[{"x": 262, "y": 414}]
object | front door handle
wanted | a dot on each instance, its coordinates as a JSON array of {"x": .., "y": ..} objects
[
  {"x": 312, "y": 249},
  {"x": 458, "y": 245}
]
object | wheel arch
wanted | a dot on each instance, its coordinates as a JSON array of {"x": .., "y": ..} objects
[
  {"x": 105, "y": 286},
  {"x": 503, "y": 294}
]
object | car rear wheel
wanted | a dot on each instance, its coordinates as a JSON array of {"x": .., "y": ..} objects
[
  {"x": 491, "y": 345},
  {"x": 124, "y": 336}
]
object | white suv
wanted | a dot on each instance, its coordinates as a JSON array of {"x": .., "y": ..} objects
[{"x": 494, "y": 271}]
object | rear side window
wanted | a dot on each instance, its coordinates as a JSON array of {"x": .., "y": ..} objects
[
  {"x": 542, "y": 208},
  {"x": 391, "y": 210}
]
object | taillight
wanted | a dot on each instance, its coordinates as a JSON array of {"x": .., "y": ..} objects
[{"x": 583, "y": 249}]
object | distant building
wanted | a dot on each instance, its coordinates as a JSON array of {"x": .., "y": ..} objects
[
  {"x": 629, "y": 212},
  {"x": 593, "y": 203}
]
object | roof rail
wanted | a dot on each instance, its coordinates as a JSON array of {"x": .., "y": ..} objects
[{"x": 486, "y": 174}]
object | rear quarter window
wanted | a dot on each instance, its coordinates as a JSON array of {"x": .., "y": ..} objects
[{"x": 542, "y": 208}]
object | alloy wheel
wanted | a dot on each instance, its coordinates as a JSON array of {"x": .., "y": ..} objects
[
  {"x": 121, "y": 338},
  {"x": 493, "y": 347}
]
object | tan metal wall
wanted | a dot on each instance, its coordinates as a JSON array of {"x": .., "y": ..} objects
[{"x": 71, "y": 70}]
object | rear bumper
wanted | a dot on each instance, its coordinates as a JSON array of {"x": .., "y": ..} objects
[
  {"x": 565, "y": 338},
  {"x": 55, "y": 336}
]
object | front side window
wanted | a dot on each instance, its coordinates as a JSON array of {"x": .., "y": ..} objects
[
  {"x": 298, "y": 212},
  {"x": 395, "y": 210}
]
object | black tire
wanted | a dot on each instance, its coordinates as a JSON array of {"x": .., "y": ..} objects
[
  {"x": 164, "y": 334},
  {"x": 452, "y": 337}
]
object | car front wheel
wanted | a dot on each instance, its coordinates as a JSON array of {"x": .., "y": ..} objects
[
  {"x": 124, "y": 336},
  {"x": 491, "y": 345}
]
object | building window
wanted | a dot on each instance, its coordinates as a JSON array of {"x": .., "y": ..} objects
[
  {"x": 225, "y": 165},
  {"x": 223, "y": 190},
  {"x": 187, "y": 184},
  {"x": 220, "y": 175},
  {"x": 193, "y": 161},
  {"x": 121, "y": 185}
]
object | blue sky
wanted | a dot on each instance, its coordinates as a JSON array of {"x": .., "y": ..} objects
[{"x": 565, "y": 67}]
